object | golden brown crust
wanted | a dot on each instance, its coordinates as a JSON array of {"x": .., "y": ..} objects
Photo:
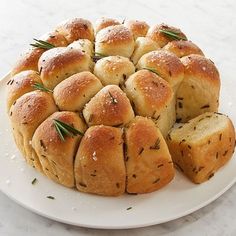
[
  {"x": 199, "y": 91},
  {"x": 166, "y": 64},
  {"x": 26, "y": 114},
  {"x": 109, "y": 106},
  {"x": 57, "y": 156},
  {"x": 203, "y": 145},
  {"x": 99, "y": 163},
  {"x": 138, "y": 28},
  {"x": 149, "y": 92},
  {"x": 104, "y": 22},
  {"x": 29, "y": 59},
  {"x": 148, "y": 162},
  {"x": 183, "y": 48},
  {"x": 74, "y": 92},
  {"x": 113, "y": 70},
  {"x": 114, "y": 40},
  {"x": 59, "y": 63},
  {"x": 76, "y": 28},
  {"x": 84, "y": 45},
  {"x": 20, "y": 84},
  {"x": 162, "y": 39}
]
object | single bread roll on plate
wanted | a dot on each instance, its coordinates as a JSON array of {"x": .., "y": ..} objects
[
  {"x": 113, "y": 70},
  {"x": 199, "y": 90},
  {"x": 152, "y": 96},
  {"x": 55, "y": 154},
  {"x": 104, "y": 22},
  {"x": 142, "y": 46},
  {"x": 99, "y": 162},
  {"x": 76, "y": 28},
  {"x": 148, "y": 162},
  {"x": 59, "y": 63},
  {"x": 20, "y": 84},
  {"x": 26, "y": 114},
  {"x": 163, "y": 34},
  {"x": 110, "y": 106},
  {"x": 138, "y": 28},
  {"x": 183, "y": 48},
  {"x": 114, "y": 40},
  {"x": 203, "y": 145},
  {"x": 74, "y": 92}
]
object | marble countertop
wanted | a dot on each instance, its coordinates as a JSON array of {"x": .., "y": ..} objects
[{"x": 211, "y": 24}]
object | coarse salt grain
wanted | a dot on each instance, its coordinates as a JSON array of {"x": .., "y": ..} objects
[{"x": 94, "y": 156}]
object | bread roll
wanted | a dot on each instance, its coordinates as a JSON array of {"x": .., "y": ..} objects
[
  {"x": 166, "y": 64},
  {"x": 20, "y": 84},
  {"x": 99, "y": 162},
  {"x": 156, "y": 34},
  {"x": 142, "y": 46},
  {"x": 84, "y": 45},
  {"x": 203, "y": 145},
  {"x": 183, "y": 48},
  {"x": 59, "y": 63},
  {"x": 113, "y": 70},
  {"x": 26, "y": 114},
  {"x": 148, "y": 162},
  {"x": 104, "y": 22},
  {"x": 109, "y": 106},
  {"x": 76, "y": 28},
  {"x": 199, "y": 91},
  {"x": 57, "y": 156},
  {"x": 29, "y": 59},
  {"x": 138, "y": 28},
  {"x": 74, "y": 92},
  {"x": 153, "y": 97},
  {"x": 114, "y": 40}
]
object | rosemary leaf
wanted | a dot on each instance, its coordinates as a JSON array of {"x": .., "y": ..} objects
[
  {"x": 42, "y": 44},
  {"x": 64, "y": 130},
  {"x": 34, "y": 181},
  {"x": 113, "y": 100},
  {"x": 173, "y": 35},
  {"x": 51, "y": 197},
  {"x": 41, "y": 87}
]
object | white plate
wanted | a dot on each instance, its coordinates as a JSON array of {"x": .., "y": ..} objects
[{"x": 179, "y": 198}]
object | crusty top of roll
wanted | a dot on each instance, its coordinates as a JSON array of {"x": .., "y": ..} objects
[
  {"x": 202, "y": 68},
  {"x": 183, "y": 48},
  {"x": 165, "y": 64},
  {"x": 76, "y": 28},
  {"x": 161, "y": 38},
  {"x": 59, "y": 63},
  {"x": 115, "y": 40},
  {"x": 104, "y": 22},
  {"x": 110, "y": 106},
  {"x": 149, "y": 91},
  {"x": 138, "y": 28},
  {"x": 20, "y": 84}
]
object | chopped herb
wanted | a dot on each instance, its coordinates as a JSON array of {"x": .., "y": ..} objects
[
  {"x": 220, "y": 137},
  {"x": 179, "y": 98},
  {"x": 64, "y": 130},
  {"x": 42, "y": 44},
  {"x": 156, "y": 181},
  {"x": 82, "y": 184},
  {"x": 129, "y": 208},
  {"x": 153, "y": 70},
  {"x": 41, "y": 87},
  {"x": 224, "y": 154},
  {"x": 141, "y": 150},
  {"x": 118, "y": 185},
  {"x": 205, "y": 106},
  {"x": 189, "y": 147},
  {"x": 173, "y": 35},
  {"x": 113, "y": 100},
  {"x": 156, "y": 145},
  {"x": 160, "y": 165},
  {"x": 34, "y": 181},
  {"x": 210, "y": 176},
  {"x": 51, "y": 197},
  {"x": 134, "y": 176},
  {"x": 217, "y": 155}
]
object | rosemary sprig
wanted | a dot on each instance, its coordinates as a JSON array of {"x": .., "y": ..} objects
[
  {"x": 173, "y": 35},
  {"x": 113, "y": 100},
  {"x": 41, "y": 87},
  {"x": 64, "y": 130},
  {"x": 42, "y": 44},
  {"x": 152, "y": 70},
  {"x": 97, "y": 56}
]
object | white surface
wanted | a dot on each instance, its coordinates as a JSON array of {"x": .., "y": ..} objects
[
  {"x": 210, "y": 24},
  {"x": 179, "y": 198}
]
